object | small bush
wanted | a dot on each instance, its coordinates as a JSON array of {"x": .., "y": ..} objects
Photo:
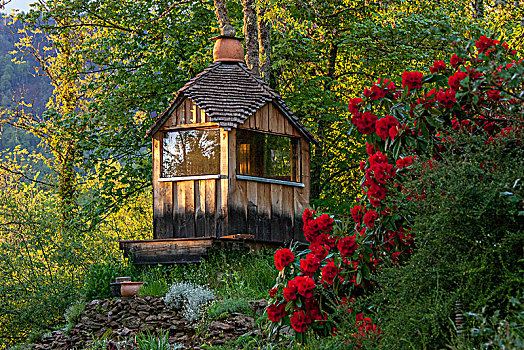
[
  {"x": 98, "y": 278},
  {"x": 72, "y": 314},
  {"x": 221, "y": 308},
  {"x": 154, "y": 288},
  {"x": 149, "y": 341},
  {"x": 189, "y": 297}
]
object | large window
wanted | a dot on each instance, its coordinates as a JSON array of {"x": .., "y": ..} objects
[
  {"x": 267, "y": 155},
  {"x": 191, "y": 153}
]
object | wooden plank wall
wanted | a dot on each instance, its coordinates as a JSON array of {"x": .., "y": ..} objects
[
  {"x": 185, "y": 208},
  {"x": 269, "y": 211},
  {"x": 227, "y": 206}
]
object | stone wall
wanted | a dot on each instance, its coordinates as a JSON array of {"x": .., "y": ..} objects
[{"x": 118, "y": 321}]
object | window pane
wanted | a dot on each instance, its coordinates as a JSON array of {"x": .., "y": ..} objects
[
  {"x": 266, "y": 155},
  {"x": 191, "y": 152}
]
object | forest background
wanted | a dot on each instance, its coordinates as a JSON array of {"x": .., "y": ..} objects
[{"x": 74, "y": 164}]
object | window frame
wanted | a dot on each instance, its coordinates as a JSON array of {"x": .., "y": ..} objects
[
  {"x": 188, "y": 177},
  {"x": 296, "y": 152}
]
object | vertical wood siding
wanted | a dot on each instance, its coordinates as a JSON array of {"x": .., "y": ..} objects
[{"x": 227, "y": 206}]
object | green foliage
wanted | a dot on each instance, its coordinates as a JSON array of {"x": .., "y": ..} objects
[
  {"x": 98, "y": 278},
  {"x": 469, "y": 243},
  {"x": 151, "y": 341},
  {"x": 222, "y": 308},
  {"x": 154, "y": 288},
  {"x": 73, "y": 313}
]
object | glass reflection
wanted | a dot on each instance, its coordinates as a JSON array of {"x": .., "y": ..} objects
[{"x": 190, "y": 153}]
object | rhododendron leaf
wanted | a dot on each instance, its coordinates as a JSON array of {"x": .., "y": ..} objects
[
  {"x": 358, "y": 280},
  {"x": 365, "y": 272},
  {"x": 298, "y": 302},
  {"x": 424, "y": 130},
  {"x": 396, "y": 148},
  {"x": 432, "y": 78},
  {"x": 434, "y": 122},
  {"x": 289, "y": 305},
  {"x": 418, "y": 110}
]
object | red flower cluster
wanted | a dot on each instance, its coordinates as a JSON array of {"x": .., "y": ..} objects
[
  {"x": 446, "y": 98},
  {"x": 369, "y": 218},
  {"x": 379, "y": 89},
  {"x": 455, "y": 79},
  {"x": 357, "y": 212},
  {"x": 276, "y": 312},
  {"x": 347, "y": 246},
  {"x": 455, "y": 60},
  {"x": 412, "y": 80},
  {"x": 300, "y": 321},
  {"x": 290, "y": 291},
  {"x": 354, "y": 105},
  {"x": 309, "y": 265},
  {"x": 365, "y": 122},
  {"x": 484, "y": 43},
  {"x": 314, "y": 227},
  {"x": 438, "y": 66},
  {"x": 305, "y": 286},
  {"x": 387, "y": 126},
  {"x": 404, "y": 162},
  {"x": 329, "y": 272},
  {"x": 283, "y": 257},
  {"x": 365, "y": 326}
]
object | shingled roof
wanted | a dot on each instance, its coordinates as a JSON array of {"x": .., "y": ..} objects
[{"x": 229, "y": 93}]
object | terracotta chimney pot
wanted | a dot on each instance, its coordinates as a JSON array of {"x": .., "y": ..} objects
[{"x": 228, "y": 49}]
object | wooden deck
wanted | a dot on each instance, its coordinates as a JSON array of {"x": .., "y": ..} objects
[{"x": 187, "y": 250}]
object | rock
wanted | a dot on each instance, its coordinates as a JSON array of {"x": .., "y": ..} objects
[
  {"x": 221, "y": 326},
  {"x": 258, "y": 306}
]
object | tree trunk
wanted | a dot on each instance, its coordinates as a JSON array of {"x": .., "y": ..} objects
[
  {"x": 221, "y": 13},
  {"x": 264, "y": 44},
  {"x": 251, "y": 34}
]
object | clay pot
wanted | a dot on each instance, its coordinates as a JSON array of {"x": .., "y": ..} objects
[
  {"x": 115, "y": 290},
  {"x": 130, "y": 289},
  {"x": 122, "y": 279},
  {"x": 228, "y": 50}
]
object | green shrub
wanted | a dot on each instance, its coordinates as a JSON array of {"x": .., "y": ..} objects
[
  {"x": 99, "y": 276},
  {"x": 150, "y": 341},
  {"x": 469, "y": 232},
  {"x": 154, "y": 288},
  {"x": 73, "y": 313},
  {"x": 222, "y": 308}
]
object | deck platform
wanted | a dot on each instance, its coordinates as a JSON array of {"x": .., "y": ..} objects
[{"x": 188, "y": 250}]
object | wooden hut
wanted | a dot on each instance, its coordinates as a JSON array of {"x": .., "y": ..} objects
[{"x": 230, "y": 160}]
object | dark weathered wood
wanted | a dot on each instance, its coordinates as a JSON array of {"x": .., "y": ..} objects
[
  {"x": 200, "y": 208},
  {"x": 252, "y": 208},
  {"x": 276, "y": 213},
  {"x": 189, "y": 187},
  {"x": 186, "y": 250},
  {"x": 211, "y": 208},
  {"x": 264, "y": 211},
  {"x": 288, "y": 214}
]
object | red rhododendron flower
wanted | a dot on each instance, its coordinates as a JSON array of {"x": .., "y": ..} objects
[
  {"x": 347, "y": 246},
  {"x": 438, "y": 66},
  {"x": 446, "y": 98},
  {"x": 299, "y": 321},
  {"x": 357, "y": 212},
  {"x": 354, "y": 104},
  {"x": 307, "y": 215},
  {"x": 309, "y": 265},
  {"x": 366, "y": 123},
  {"x": 380, "y": 89},
  {"x": 283, "y": 257},
  {"x": 455, "y": 60},
  {"x": 404, "y": 162},
  {"x": 412, "y": 80},
  {"x": 369, "y": 218},
  {"x": 276, "y": 312},
  {"x": 305, "y": 286},
  {"x": 325, "y": 223},
  {"x": 455, "y": 79},
  {"x": 290, "y": 292},
  {"x": 370, "y": 149},
  {"x": 494, "y": 95},
  {"x": 272, "y": 292},
  {"x": 484, "y": 43},
  {"x": 318, "y": 249},
  {"x": 329, "y": 272},
  {"x": 387, "y": 126},
  {"x": 314, "y": 312}
]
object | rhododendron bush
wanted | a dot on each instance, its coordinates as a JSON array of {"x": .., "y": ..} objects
[{"x": 479, "y": 91}]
